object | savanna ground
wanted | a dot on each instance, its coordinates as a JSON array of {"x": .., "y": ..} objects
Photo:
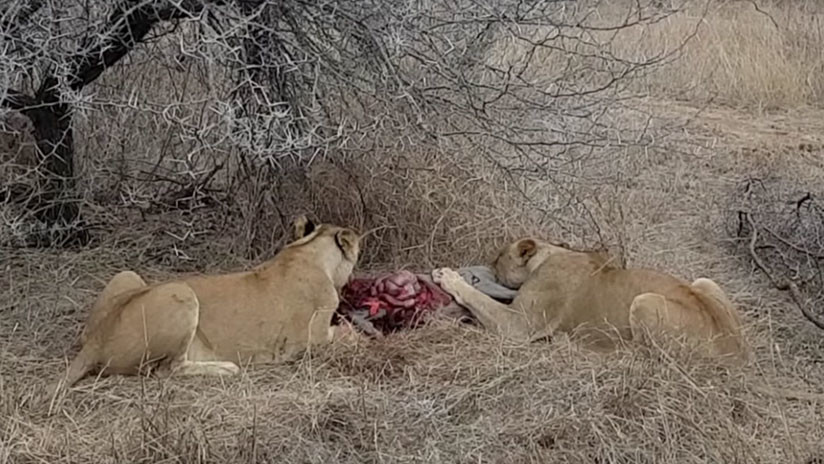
[{"x": 744, "y": 100}]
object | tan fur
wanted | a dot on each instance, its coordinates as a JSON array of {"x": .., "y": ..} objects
[
  {"x": 560, "y": 289},
  {"x": 212, "y": 325}
]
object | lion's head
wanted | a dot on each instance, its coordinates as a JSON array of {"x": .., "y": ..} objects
[
  {"x": 340, "y": 246},
  {"x": 517, "y": 260}
]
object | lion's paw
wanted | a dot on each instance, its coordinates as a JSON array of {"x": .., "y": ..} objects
[
  {"x": 449, "y": 280},
  {"x": 344, "y": 332},
  {"x": 226, "y": 368}
]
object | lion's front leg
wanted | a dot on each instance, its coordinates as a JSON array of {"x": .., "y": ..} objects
[
  {"x": 344, "y": 332},
  {"x": 497, "y": 317}
]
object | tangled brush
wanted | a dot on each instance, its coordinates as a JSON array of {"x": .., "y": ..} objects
[{"x": 780, "y": 229}]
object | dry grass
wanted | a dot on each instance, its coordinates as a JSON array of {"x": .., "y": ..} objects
[
  {"x": 739, "y": 56},
  {"x": 727, "y": 52},
  {"x": 447, "y": 393},
  {"x": 440, "y": 394}
]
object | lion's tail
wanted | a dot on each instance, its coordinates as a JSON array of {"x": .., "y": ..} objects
[
  {"x": 81, "y": 365},
  {"x": 725, "y": 315}
]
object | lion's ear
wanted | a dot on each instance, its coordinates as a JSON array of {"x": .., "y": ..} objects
[
  {"x": 563, "y": 244},
  {"x": 527, "y": 248},
  {"x": 302, "y": 227},
  {"x": 348, "y": 241}
]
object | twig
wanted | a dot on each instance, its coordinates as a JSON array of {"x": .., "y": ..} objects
[
  {"x": 793, "y": 245},
  {"x": 784, "y": 284},
  {"x": 758, "y": 9}
]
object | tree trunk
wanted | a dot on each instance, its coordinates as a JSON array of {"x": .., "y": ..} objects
[{"x": 56, "y": 203}]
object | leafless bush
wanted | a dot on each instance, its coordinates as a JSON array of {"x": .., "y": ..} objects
[
  {"x": 200, "y": 104},
  {"x": 18, "y": 174},
  {"x": 780, "y": 229}
]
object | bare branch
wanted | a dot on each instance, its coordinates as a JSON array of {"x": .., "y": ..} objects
[
  {"x": 10, "y": 25},
  {"x": 758, "y": 9},
  {"x": 242, "y": 91},
  {"x": 783, "y": 283},
  {"x": 16, "y": 100},
  {"x": 130, "y": 23}
]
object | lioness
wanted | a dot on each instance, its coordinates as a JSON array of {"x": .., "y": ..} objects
[
  {"x": 212, "y": 324},
  {"x": 562, "y": 290}
]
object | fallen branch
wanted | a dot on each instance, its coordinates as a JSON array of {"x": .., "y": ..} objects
[{"x": 783, "y": 284}]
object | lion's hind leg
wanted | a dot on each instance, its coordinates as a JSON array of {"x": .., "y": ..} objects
[
  {"x": 158, "y": 325},
  {"x": 212, "y": 368},
  {"x": 175, "y": 312},
  {"x": 197, "y": 359},
  {"x": 652, "y": 314},
  {"x": 712, "y": 289},
  {"x": 729, "y": 339},
  {"x": 121, "y": 283},
  {"x": 88, "y": 358},
  {"x": 149, "y": 326}
]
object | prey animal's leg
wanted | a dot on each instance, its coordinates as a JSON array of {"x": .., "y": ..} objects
[{"x": 497, "y": 317}]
